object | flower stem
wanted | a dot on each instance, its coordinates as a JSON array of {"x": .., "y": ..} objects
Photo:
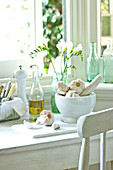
[{"x": 52, "y": 62}]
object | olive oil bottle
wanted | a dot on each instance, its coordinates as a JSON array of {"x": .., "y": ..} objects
[{"x": 36, "y": 97}]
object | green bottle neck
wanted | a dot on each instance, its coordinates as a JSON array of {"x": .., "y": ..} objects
[{"x": 93, "y": 53}]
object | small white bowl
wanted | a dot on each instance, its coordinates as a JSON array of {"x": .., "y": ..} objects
[{"x": 71, "y": 108}]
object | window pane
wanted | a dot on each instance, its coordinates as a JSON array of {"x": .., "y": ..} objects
[
  {"x": 52, "y": 26},
  {"x": 105, "y": 6},
  {"x": 16, "y": 30},
  {"x": 106, "y": 22}
]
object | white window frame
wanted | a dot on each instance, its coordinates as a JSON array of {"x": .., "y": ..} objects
[
  {"x": 7, "y": 67},
  {"x": 83, "y": 22}
]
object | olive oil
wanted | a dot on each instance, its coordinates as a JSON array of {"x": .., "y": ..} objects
[
  {"x": 35, "y": 107},
  {"x": 36, "y": 97}
]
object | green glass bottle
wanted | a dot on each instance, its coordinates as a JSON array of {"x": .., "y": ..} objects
[
  {"x": 57, "y": 77},
  {"x": 92, "y": 63},
  {"x": 108, "y": 63}
]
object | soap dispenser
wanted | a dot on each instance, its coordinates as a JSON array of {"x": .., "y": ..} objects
[{"x": 21, "y": 75}]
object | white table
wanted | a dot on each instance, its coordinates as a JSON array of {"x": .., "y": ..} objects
[{"x": 19, "y": 151}]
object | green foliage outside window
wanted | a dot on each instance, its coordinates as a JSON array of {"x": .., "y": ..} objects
[
  {"x": 52, "y": 26},
  {"x": 105, "y": 20},
  {"x": 105, "y": 4},
  {"x": 106, "y": 26}
]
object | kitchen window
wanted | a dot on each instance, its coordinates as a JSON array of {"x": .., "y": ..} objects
[
  {"x": 22, "y": 31},
  {"x": 81, "y": 21},
  {"x": 21, "y": 25}
]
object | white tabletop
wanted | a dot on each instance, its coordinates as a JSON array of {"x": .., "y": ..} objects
[
  {"x": 62, "y": 149},
  {"x": 15, "y": 134}
]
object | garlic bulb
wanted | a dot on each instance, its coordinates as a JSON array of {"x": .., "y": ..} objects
[
  {"x": 61, "y": 87},
  {"x": 77, "y": 85},
  {"x": 72, "y": 93},
  {"x": 46, "y": 118}
]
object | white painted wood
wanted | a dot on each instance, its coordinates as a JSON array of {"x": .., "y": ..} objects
[
  {"x": 103, "y": 151},
  {"x": 90, "y": 125},
  {"x": 95, "y": 123},
  {"x": 92, "y": 86},
  {"x": 84, "y": 155},
  {"x": 20, "y": 151}
]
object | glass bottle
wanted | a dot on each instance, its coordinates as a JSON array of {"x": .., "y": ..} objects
[
  {"x": 92, "y": 63},
  {"x": 36, "y": 97},
  {"x": 108, "y": 63},
  {"x": 57, "y": 77}
]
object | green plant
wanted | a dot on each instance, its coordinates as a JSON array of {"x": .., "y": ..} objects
[
  {"x": 66, "y": 51},
  {"x": 52, "y": 27},
  {"x": 52, "y": 24}
]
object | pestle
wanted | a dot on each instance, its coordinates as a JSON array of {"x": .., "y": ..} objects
[{"x": 92, "y": 86}]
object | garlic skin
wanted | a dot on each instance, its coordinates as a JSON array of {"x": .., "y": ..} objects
[
  {"x": 55, "y": 126},
  {"x": 61, "y": 87},
  {"x": 72, "y": 93},
  {"x": 46, "y": 118},
  {"x": 40, "y": 120},
  {"x": 44, "y": 112},
  {"x": 77, "y": 85}
]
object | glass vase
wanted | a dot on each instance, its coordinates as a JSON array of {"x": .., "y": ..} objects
[
  {"x": 92, "y": 63},
  {"x": 108, "y": 63},
  {"x": 57, "y": 77}
]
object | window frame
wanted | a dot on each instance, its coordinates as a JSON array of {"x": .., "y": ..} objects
[
  {"x": 12, "y": 64},
  {"x": 83, "y": 19}
]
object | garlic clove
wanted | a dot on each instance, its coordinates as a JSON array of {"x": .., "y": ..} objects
[
  {"x": 61, "y": 87},
  {"x": 61, "y": 93},
  {"x": 55, "y": 126},
  {"x": 49, "y": 119},
  {"x": 77, "y": 84},
  {"x": 44, "y": 112},
  {"x": 72, "y": 93},
  {"x": 40, "y": 120},
  {"x": 48, "y": 122},
  {"x": 46, "y": 118},
  {"x": 31, "y": 125}
]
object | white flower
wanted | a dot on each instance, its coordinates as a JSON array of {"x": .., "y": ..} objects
[
  {"x": 78, "y": 48},
  {"x": 61, "y": 45},
  {"x": 77, "y": 85},
  {"x": 69, "y": 47}
]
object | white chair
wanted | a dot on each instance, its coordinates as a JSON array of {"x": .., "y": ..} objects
[{"x": 89, "y": 125}]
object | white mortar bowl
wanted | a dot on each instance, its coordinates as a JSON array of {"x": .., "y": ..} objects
[{"x": 71, "y": 108}]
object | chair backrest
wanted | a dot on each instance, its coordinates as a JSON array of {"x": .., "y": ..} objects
[{"x": 89, "y": 125}]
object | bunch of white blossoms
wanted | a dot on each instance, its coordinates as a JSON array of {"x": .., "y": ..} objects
[{"x": 67, "y": 50}]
